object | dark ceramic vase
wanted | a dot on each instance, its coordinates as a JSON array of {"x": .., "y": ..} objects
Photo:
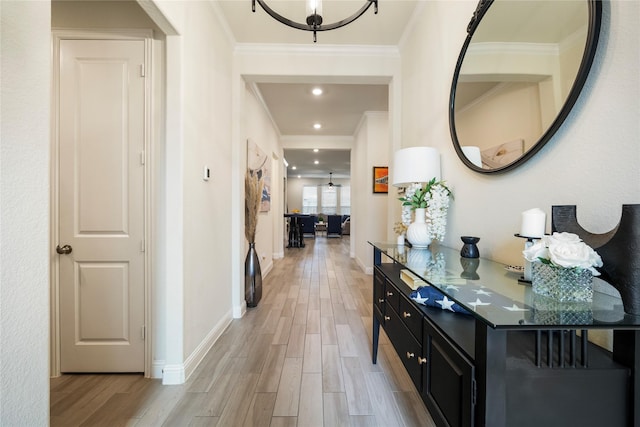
[
  {"x": 252, "y": 277},
  {"x": 469, "y": 249}
]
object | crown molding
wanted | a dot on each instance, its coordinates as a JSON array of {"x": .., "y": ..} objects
[{"x": 303, "y": 49}]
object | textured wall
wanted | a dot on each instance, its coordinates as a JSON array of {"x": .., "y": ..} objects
[
  {"x": 24, "y": 213},
  {"x": 591, "y": 162}
]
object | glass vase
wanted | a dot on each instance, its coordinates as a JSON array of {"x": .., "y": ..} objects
[
  {"x": 562, "y": 284},
  {"x": 252, "y": 277}
]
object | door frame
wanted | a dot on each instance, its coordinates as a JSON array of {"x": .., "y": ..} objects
[{"x": 57, "y": 36}]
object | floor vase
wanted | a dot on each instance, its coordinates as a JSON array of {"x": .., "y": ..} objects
[{"x": 252, "y": 277}]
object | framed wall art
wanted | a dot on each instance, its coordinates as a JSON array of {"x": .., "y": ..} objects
[{"x": 381, "y": 179}]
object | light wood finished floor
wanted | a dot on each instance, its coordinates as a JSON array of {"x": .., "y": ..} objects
[{"x": 301, "y": 358}]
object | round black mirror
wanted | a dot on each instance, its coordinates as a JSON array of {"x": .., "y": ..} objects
[{"x": 519, "y": 73}]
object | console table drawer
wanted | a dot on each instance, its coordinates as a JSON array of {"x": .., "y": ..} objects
[
  {"x": 411, "y": 317},
  {"x": 391, "y": 295},
  {"x": 409, "y": 350}
]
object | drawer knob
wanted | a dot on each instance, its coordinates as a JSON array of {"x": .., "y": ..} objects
[
  {"x": 410, "y": 355},
  {"x": 387, "y": 318},
  {"x": 405, "y": 314},
  {"x": 389, "y": 294},
  {"x": 422, "y": 360},
  {"x": 380, "y": 300}
]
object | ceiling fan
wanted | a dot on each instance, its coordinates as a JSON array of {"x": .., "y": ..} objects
[{"x": 331, "y": 184}]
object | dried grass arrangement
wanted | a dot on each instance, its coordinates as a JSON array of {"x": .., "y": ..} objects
[{"x": 253, "y": 186}]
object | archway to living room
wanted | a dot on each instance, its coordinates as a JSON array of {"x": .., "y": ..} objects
[{"x": 328, "y": 148}]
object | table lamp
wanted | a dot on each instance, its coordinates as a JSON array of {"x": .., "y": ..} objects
[{"x": 413, "y": 167}]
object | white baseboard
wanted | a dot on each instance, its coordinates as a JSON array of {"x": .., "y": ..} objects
[
  {"x": 240, "y": 310},
  {"x": 363, "y": 266},
  {"x": 278, "y": 255},
  {"x": 156, "y": 368},
  {"x": 194, "y": 359},
  {"x": 267, "y": 268},
  {"x": 173, "y": 374},
  {"x": 179, "y": 373}
]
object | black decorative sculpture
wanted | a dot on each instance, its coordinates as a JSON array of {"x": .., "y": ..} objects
[{"x": 619, "y": 250}]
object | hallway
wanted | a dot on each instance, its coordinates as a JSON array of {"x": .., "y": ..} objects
[{"x": 302, "y": 357}]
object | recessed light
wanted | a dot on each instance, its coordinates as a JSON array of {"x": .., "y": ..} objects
[
  {"x": 299, "y": 176},
  {"x": 315, "y": 150},
  {"x": 294, "y": 167},
  {"x": 316, "y": 91},
  {"x": 317, "y": 126},
  {"x": 315, "y": 162}
]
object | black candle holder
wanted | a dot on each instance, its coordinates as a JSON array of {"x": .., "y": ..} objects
[
  {"x": 526, "y": 278},
  {"x": 469, "y": 249}
]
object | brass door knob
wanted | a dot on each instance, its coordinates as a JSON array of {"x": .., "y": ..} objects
[{"x": 64, "y": 250}]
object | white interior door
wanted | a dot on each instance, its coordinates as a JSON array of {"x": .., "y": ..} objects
[{"x": 101, "y": 205}]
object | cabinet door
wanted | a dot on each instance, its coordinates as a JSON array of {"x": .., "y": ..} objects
[{"x": 448, "y": 382}]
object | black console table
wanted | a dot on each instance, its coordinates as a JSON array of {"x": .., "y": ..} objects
[{"x": 517, "y": 359}]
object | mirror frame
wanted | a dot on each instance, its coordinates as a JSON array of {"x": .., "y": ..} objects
[{"x": 594, "y": 22}]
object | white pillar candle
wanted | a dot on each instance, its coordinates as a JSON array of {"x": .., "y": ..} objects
[{"x": 533, "y": 223}]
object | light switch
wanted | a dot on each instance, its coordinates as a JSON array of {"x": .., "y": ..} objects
[{"x": 206, "y": 173}]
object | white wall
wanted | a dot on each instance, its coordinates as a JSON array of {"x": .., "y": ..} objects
[
  {"x": 369, "y": 211},
  {"x": 25, "y": 250},
  {"x": 260, "y": 130},
  {"x": 199, "y": 219},
  {"x": 591, "y": 162}
]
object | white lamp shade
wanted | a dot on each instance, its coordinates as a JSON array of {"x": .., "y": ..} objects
[
  {"x": 415, "y": 165},
  {"x": 473, "y": 154}
]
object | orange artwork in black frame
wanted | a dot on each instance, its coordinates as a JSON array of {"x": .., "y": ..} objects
[{"x": 381, "y": 179}]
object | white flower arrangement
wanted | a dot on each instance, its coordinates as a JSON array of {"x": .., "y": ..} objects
[
  {"x": 564, "y": 250},
  {"x": 434, "y": 197}
]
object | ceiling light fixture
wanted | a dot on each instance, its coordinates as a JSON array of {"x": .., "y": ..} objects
[
  {"x": 314, "y": 16},
  {"x": 317, "y": 126},
  {"x": 316, "y": 91},
  {"x": 315, "y": 150},
  {"x": 315, "y": 162}
]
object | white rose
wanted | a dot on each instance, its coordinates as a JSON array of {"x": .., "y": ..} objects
[
  {"x": 569, "y": 255},
  {"x": 535, "y": 251},
  {"x": 562, "y": 238}
]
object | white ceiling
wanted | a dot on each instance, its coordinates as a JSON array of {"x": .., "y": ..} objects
[
  {"x": 385, "y": 28},
  {"x": 338, "y": 162},
  {"x": 291, "y": 105}
]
